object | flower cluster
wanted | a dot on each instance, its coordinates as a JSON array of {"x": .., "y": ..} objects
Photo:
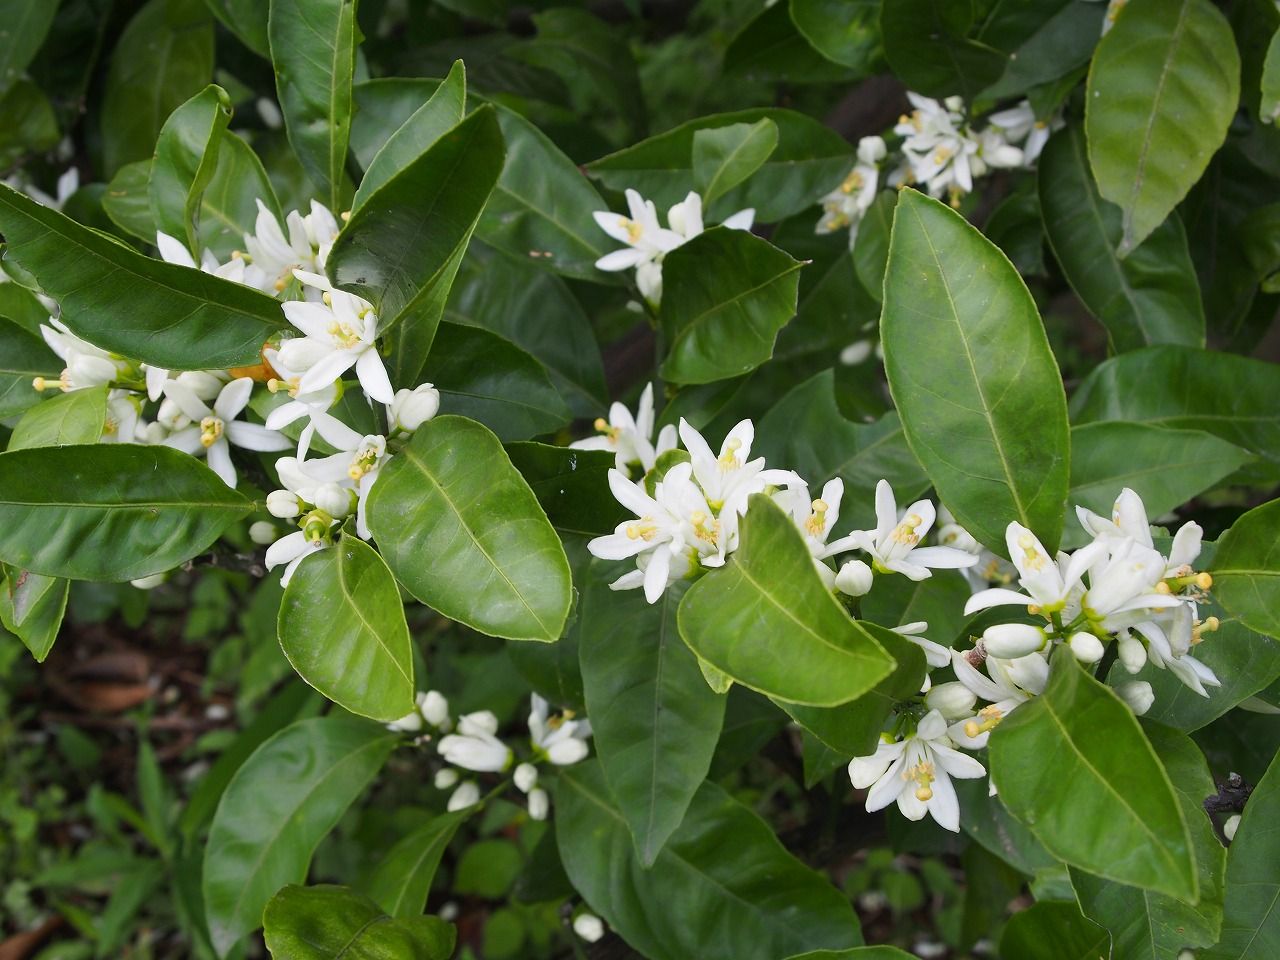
[
  {"x": 471, "y": 745},
  {"x": 846, "y": 205}
]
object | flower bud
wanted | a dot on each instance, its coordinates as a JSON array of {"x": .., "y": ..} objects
[
  {"x": 567, "y": 752},
  {"x": 526, "y": 777},
  {"x": 854, "y": 578},
  {"x": 262, "y": 532},
  {"x": 149, "y": 583},
  {"x": 409, "y": 723},
  {"x": 1132, "y": 653},
  {"x": 871, "y": 149},
  {"x": 1231, "y": 826},
  {"x": 588, "y": 926},
  {"x": 1009, "y": 641},
  {"x": 206, "y": 386},
  {"x": 1086, "y": 647},
  {"x": 170, "y": 415},
  {"x": 283, "y": 504},
  {"x": 467, "y": 795},
  {"x": 539, "y": 804},
  {"x": 410, "y": 409},
  {"x": 333, "y": 500},
  {"x": 434, "y": 707},
  {"x": 152, "y": 433},
  {"x": 87, "y": 370},
  {"x": 856, "y": 352},
  {"x": 446, "y": 777},
  {"x": 478, "y": 724},
  {"x": 953, "y": 700},
  {"x": 1138, "y": 695}
]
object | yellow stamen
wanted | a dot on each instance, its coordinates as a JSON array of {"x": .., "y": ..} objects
[
  {"x": 905, "y": 532},
  {"x": 634, "y": 230},
  {"x": 1204, "y": 580},
  {"x": 1163, "y": 588},
  {"x": 643, "y": 529},
  {"x": 817, "y": 521},
  {"x": 729, "y": 458},
  {"x": 1031, "y": 555},
  {"x": 991, "y": 716},
  {"x": 923, "y": 775},
  {"x": 210, "y": 430}
]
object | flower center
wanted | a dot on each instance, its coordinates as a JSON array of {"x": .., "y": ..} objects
[
  {"x": 289, "y": 386},
  {"x": 705, "y": 528},
  {"x": 852, "y": 182},
  {"x": 643, "y": 529},
  {"x": 344, "y": 333},
  {"x": 905, "y": 532},
  {"x": 817, "y": 521},
  {"x": 729, "y": 457},
  {"x": 922, "y": 774},
  {"x": 211, "y": 429},
  {"x": 634, "y": 230},
  {"x": 986, "y": 720},
  {"x": 602, "y": 426},
  {"x": 1032, "y": 558},
  {"x": 363, "y": 462}
]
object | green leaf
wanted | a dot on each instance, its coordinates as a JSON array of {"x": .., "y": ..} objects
[
  {"x": 1151, "y": 296},
  {"x": 1054, "y": 931},
  {"x": 160, "y": 313},
  {"x": 871, "y": 246},
  {"x": 809, "y": 160},
  {"x": 30, "y": 124},
  {"x": 229, "y": 205},
  {"x": 726, "y": 294},
  {"x": 654, "y": 720},
  {"x": 31, "y": 608},
  {"x": 966, "y": 356},
  {"x": 1120, "y": 819},
  {"x": 1269, "y": 106},
  {"x": 572, "y": 486},
  {"x": 1251, "y": 922},
  {"x": 722, "y": 886},
  {"x": 185, "y": 160},
  {"x": 20, "y": 306},
  {"x": 770, "y": 47},
  {"x": 769, "y": 596},
  {"x": 109, "y": 511},
  {"x": 724, "y": 157},
  {"x": 26, "y": 23},
  {"x": 404, "y": 241},
  {"x": 1246, "y": 569},
  {"x": 441, "y": 113},
  {"x": 247, "y": 19},
  {"x": 342, "y": 627},
  {"x": 463, "y": 532},
  {"x": 1047, "y": 41},
  {"x": 163, "y": 58},
  {"x": 313, "y": 50},
  {"x": 328, "y": 923},
  {"x": 401, "y": 881},
  {"x": 23, "y": 357},
  {"x": 280, "y": 804},
  {"x": 927, "y": 44},
  {"x": 75, "y": 417},
  {"x": 1163, "y": 87},
  {"x": 844, "y": 31},
  {"x": 1151, "y": 926},
  {"x": 127, "y": 200},
  {"x": 857, "y": 953}
]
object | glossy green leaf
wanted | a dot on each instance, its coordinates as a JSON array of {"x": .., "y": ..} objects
[
  {"x": 654, "y": 720},
  {"x": 170, "y": 316},
  {"x": 769, "y": 47},
  {"x": 26, "y": 23},
  {"x": 31, "y": 608},
  {"x": 966, "y": 356},
  {"x": 724, "y": 157},
  {"x": 927, "y": 44},
  {"x": 1163, "y": 87},
  {"x": 1246, "y": 569},
  {"x": 844, "y": 31},
  {"x": 163, "y": 58},
  {"x": 441, "y": 113},
  {"x": 78, "y": 416},
  {"x": 342, "y": 626},
  {"x": 1151, "y": 296},
  {"x": 401, "y": 881},
  {"x": 247, "y": 19},
  {"x": 1251, "y": 921},
  {"x": 127, "y": 200},
  {"x": 1120, "y": 819},
  {"x": 30, "y": 123},
  {"x": 572, "y": 486},
  {"x": 809, "y": 161},
  {"x": 23, "y": 357},
  {"x": 871, "y": 246},
  {"x": 857, "y": 953},
  {"x": 403, "y": 242},
  {"x": 487, "y": 378},
  {"x": 769, "y": 596},
  {"x": 313, "y": 50},
  {"x": 1054, "y": 931},
  {"x": 1183, "y": 388},
  {"x": 185, "y": 160},
  {"x": 335, "y": 923},
  {"x": 1269, "y": 106},
  {"x": 723, "y": 885},
  {"x": 463, "y": 532},
  {"x": 280, "y": 804},
  {"x": 726, "y": 294},
  {"x": 20, "y": 306},
  {"x": 109, "y": 511},
  {"x": 1151, "y": 926},
  {"x": 229, "y": 204},
  {"x": 1047, "y": 41}
]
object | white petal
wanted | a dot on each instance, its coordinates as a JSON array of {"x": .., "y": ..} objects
[
  {"x": 373, "y": 376},
  {"x": 252, "y": 436},
  {"x": 218, "y": 458},
  {"x": 232, "y": 399}
]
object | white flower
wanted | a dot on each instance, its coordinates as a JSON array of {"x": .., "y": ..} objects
[
  {"x": 855, "y": 578},
  {"x": 410, "y": 409},
  {"x": 86, "y": 365},
  {"x": 215, "y": 427},
  {"x": 435, "y": 709},
  {"x": 953, "y": 700},
  {"x": 728, "y": 480},
  {"x": 445, "y": 778},
  {"x": 284, "y": 504},
  {"x": 893, "y": 544},
  {"x": 273, "y": 258},
  {"x": 475, "y": 746},
  {"x": 356, "y": 465},
  {"x": 1170, "y": 635},
  {"x": 467, "y": 795},
  {"x": 847, "y": 204},
  {"x": 293, "y": 548},
  {"x": 173, "y": 250},
  {"x": 935, "y": 654},
  {"x": 1006, "y": 686},
  {"x": 340, "y": 333},
  {"x": 313, "y": 405},
  {"x": 994, "y": 151},
  {"x": 561, "y": 739},
  {"x": 916, "y": 772},
  {"x": 1050, "y": 585},
  {"x": 1138, "y": 695},
  {"x": 525, "y": 777},
  {"x": 1129, "y": 521},
  {"x": 1011, "y": 640},
  {"x": 588, "y": 926},
  {"x": 937, "y": 151},
  {"x": 1122, "y": 585},
  {"x": 631, "y": 438},
  {"x": 1020, "y": 124},
  {"x": 122, "y": 422}
]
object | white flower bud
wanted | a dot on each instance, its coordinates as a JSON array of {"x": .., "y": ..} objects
[
  {"x": 152, "y": 433},
  {"x": 1138, "y": 695},
  {"x": 856, "y": 352},
  {"x": 262, "y": 532},
  {"x": 566, "y": 752},
  {"x": 871, "y": 149},
  {"x": 526, "y": 777},
  {"x": 446, "y": 777},
  {"x": 170, "y": 416},
  {"x": 410, "y": 409},
  {"x": 149, "y": 583},
  {"x": 435, "y": 708},
  {"x": 539, "y": 804},
  {"x": 1008, "y": 641},
  {"x": 1231, "y": 826},
  {"x": 588, "y": 926},
  {"x": 333, "y": 500},
  {"x": 206, "y": 386},
  {"x": 1086, "y": 647},
  {"x": 283, "y": 504},
  {"x": 1132, "y": 653},
  {"x": 854, "y": 578},
  {"x": 87, "y": 370},
  {"x": 478, "y": 724},
  {"x": 467, "y": 795},
  {"x": 409, "y": 723},
  {"x": 953, "y": 700}
]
